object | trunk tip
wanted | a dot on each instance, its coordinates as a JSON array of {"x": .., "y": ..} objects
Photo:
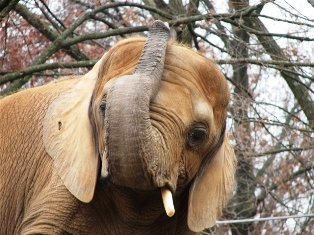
[{"x": 160, "y": 25}]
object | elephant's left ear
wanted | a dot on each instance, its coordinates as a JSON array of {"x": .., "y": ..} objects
[
  {"x": 212, "y": 188},
  {"x": 68, "y": 137}
]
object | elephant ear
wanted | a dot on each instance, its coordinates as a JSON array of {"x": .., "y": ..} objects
[
  {"x": 68, "y": 137},
  {"x": 212, "y": 188}
]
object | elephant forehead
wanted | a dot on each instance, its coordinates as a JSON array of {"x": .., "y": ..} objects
[
  {"x": 186, "y": 102},
  {"x": 198, "y": 73}
]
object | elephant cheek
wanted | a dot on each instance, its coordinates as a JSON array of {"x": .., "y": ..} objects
[{"x": 182, "y": 175}]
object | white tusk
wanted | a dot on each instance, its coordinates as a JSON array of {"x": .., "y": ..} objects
[{"x": 167, "y": 200}]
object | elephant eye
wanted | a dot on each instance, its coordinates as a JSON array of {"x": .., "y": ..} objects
[
  {"x": 196, "y": 136},
  {"x": 103, "y": 106}
]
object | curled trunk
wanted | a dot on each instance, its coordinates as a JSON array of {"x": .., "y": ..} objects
[{"x": 133, "y": 153}]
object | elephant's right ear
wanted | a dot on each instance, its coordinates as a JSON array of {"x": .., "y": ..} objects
[
  {"x": 212, "y": 188},
  {"x": 69, "y": 140}
]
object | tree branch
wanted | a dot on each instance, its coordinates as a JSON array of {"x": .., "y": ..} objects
[
  {"x": 113, "y": 32},
  {"x": 295, "y": 174},
  {"x": 311, "y": 2},
  {"x": 6, "y": 6},
  {"x": 275, "y": 151},
  {"x": 53, "y": 15},
  {"x": 264, "y": 33},
  {"x": 283, "y": 63},
  {"x": 38, "y": 68},
  {"x": 46, "y": 30}
]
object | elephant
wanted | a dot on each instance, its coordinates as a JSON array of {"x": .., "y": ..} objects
[{"x": 137, "y": 145}]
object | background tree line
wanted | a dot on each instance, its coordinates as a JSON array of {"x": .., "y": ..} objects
[{"x": 265, "y": 49}]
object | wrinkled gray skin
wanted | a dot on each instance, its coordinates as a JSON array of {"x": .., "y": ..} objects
[
  {"x": 140, "y": 146},
  {"x": 139, "y": 90}
]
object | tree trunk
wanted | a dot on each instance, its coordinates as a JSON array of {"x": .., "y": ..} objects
[{"x": 243, "y": 202}]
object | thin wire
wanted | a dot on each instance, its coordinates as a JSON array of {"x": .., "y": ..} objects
[{"x": 263, "y": 219}]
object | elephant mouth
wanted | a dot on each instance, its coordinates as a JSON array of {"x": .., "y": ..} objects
[
  {"x": 152, "y": 184},
  {"x": 166, "y": 191}
]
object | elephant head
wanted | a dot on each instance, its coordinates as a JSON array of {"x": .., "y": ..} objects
[{"x": 147, "y": 116}]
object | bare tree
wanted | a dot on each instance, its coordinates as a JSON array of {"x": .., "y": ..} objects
[{"x": 264, "y": 48}]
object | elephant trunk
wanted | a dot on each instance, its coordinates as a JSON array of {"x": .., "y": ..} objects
[{"x": 133, "y": 151}]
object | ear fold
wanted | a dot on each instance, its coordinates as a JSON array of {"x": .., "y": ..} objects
[
  {"x": 68, "y": 137},
  {"x": 212, "y": 188}
]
